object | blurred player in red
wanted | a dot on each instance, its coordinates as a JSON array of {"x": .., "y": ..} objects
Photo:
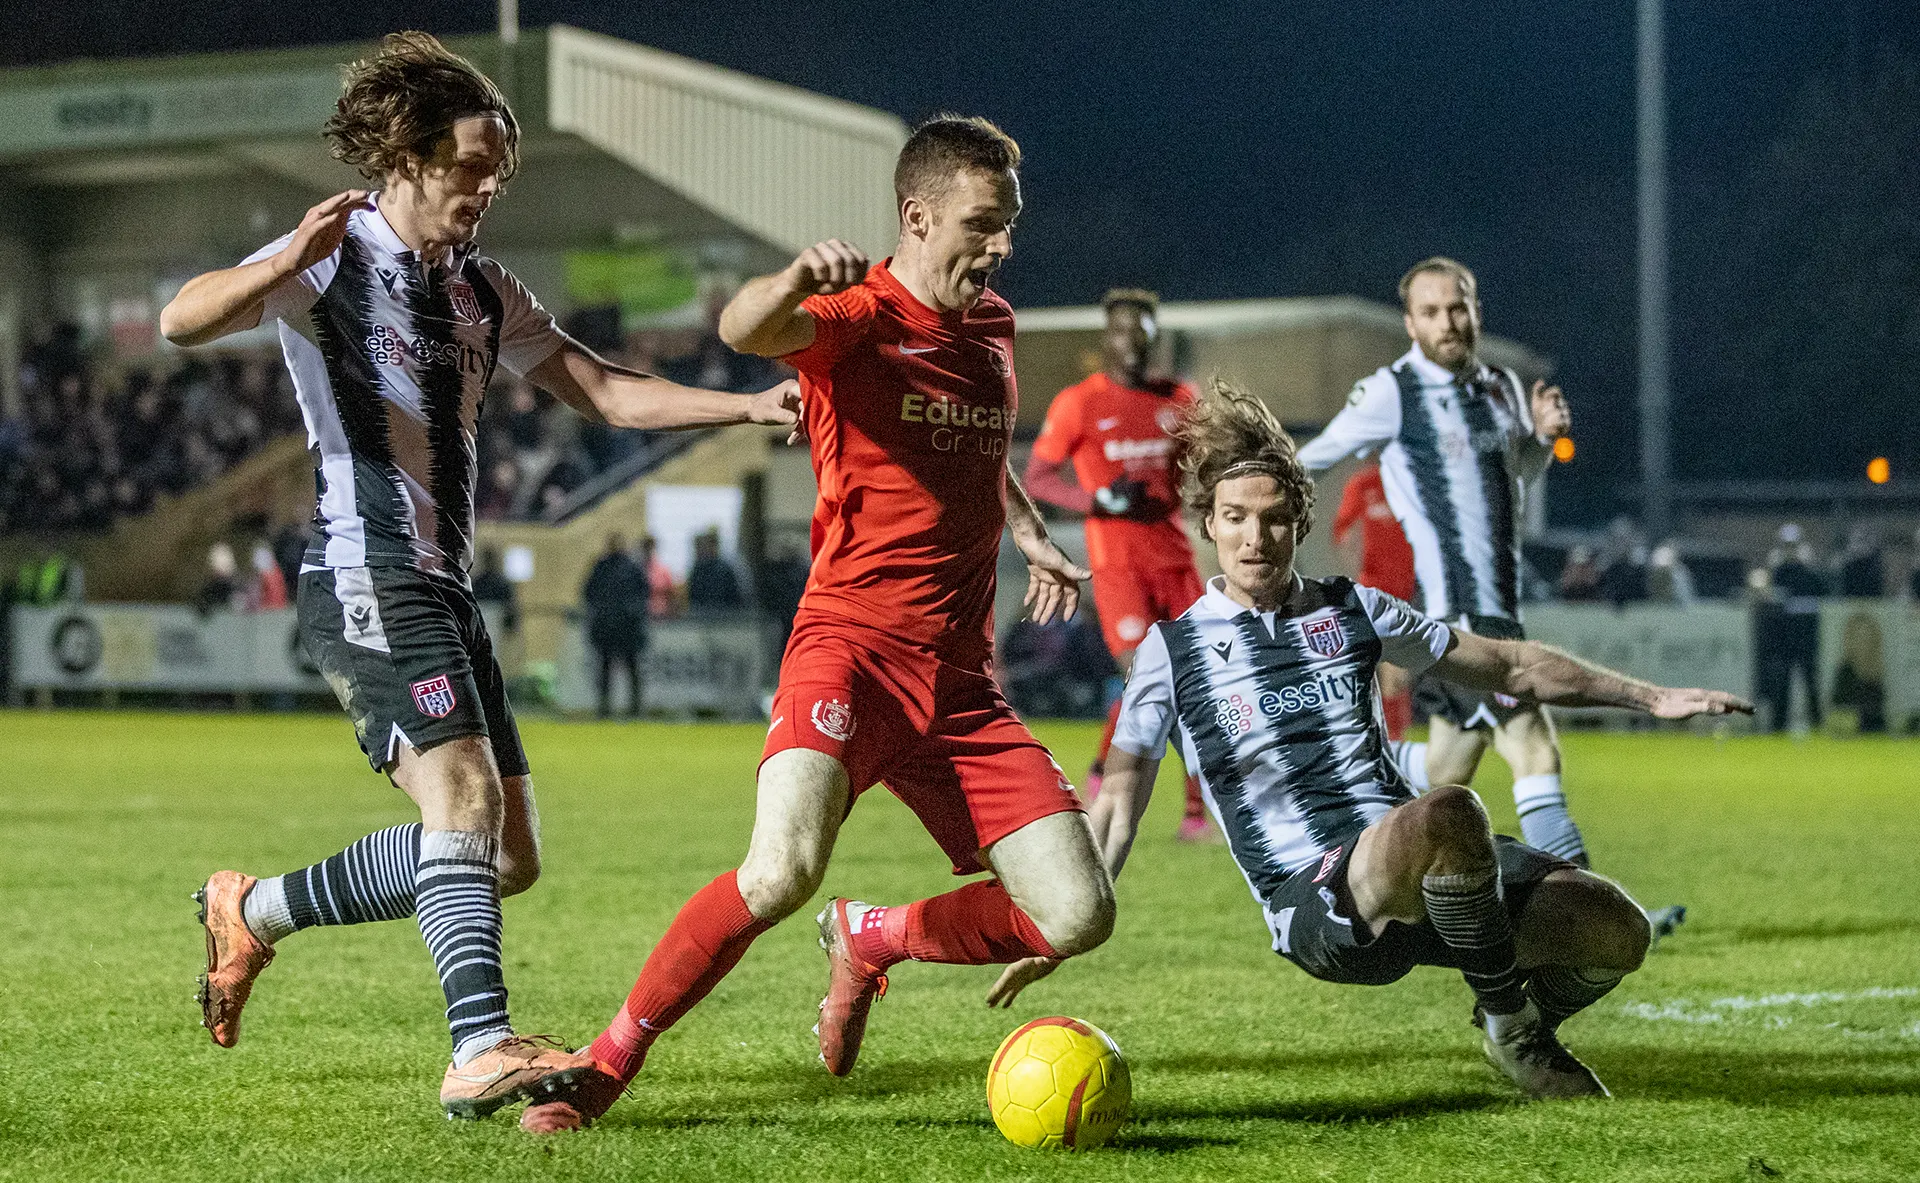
[
  {"x": 909, "y": 401},
  {"x": 1115, "y": 429},
  {"x": 1380, "y": 557}
]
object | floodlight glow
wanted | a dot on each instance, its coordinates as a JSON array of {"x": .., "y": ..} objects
[
  {"x": 1563, "y": 449},
  {"x": 1879, "y": 471}
]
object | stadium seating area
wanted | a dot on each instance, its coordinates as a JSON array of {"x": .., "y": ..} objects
[{"x": 88, "y": 446}]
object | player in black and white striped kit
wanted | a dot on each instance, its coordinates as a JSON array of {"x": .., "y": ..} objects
[
  {"x": 1460, "y": 442},
  {"x": 1268, "y": 684},
  {"x": 393, "y": 323}
]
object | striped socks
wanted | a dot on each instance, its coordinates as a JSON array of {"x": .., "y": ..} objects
[
  {"x": 1545, "y": 823},
  {"x": 458, "y": 889},
  {"x": 1467, "y": 913},
  {"x": 1561, "y": 991},
  {"x": 369, "y": 880}
]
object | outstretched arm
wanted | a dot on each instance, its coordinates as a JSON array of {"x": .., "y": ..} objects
[
  {"x": 1053, "y": 579},
  {"x": 1369, "y": 421},
  {"x": 1535, "y": 672},
  {"x": 1054, "y": 484},
  {"x": 233, "y": 299},
  {"x": 1114, "y": 817},
  {"x": 765, "y": 318},
  {"x": 612, "y": 394}
]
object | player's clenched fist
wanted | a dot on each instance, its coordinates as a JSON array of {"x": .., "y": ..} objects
[
  {"x": 778, "y": 406},
  {"x": 1551, "y": 416},
  {"x": 827, "y": 267},
  {"x": 322, "y": 230}
]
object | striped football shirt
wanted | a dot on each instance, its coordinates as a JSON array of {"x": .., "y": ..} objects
[{"x": 391, "y": 355}]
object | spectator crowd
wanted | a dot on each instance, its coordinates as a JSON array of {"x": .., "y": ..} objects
[{"x": 86, "y": 447}]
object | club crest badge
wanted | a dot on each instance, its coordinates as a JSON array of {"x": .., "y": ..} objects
[
  {"x": 434, "y": 697},
  {"x": 1326, "y": 637},
  {"x": 1327, "y": 862},
  {"x": 1001, "y": 363},
  {"x": 466, "y": 305},
  {"x": 833, "y": 719}
]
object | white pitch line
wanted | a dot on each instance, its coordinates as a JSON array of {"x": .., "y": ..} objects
[{"x": 1719, "y": 1010}]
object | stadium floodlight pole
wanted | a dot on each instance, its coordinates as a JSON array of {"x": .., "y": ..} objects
[
  {"x": 509, "y": 40},
  {"x": 1655, "y": 395}
]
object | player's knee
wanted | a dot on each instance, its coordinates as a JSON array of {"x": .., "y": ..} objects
[
  {"x": 1454, "y": 823},
  {"x": 519, "y": 870},
  {"x": 1081, "y": 928},
  {"x": 775, "y": 887},
  {"x": 1621, "y": 934}
]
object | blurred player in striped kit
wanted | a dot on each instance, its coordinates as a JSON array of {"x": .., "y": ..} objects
[
  {"x": 1459, "y": 442},
  {"x": 1115, "y": 431},
  {"x": 1266, "y": 684}
]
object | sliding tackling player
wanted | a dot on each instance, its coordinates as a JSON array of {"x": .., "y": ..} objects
[
  {"x": 1268, "y": 682},
  {"x": 392, "y": 324},
  {"x": 1459, "y": 442},
  {"x": 907, "y": 371},
  {"x": 1115, "y": 431}
]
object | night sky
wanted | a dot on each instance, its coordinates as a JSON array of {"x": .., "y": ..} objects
[{"x": 1226, "y": 150}]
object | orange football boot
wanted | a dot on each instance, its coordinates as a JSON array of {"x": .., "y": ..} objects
[
  {"x": 519, "y": 1067},
  {"x": 852, "y": 985},
  {"x": 235, "y": 957}
]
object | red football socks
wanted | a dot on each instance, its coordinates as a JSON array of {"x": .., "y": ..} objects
[
  {"x": 978, "y": 924},
  {"x": 704, "y": 942},
  {"x": 1196, "y": 804}
]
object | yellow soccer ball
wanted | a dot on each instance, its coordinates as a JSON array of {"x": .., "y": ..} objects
[{"x": 1059, "y": 1083}]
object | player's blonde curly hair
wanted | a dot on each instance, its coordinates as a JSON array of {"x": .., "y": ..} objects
[
  {"x": 1229, "y": 433},
  {"x": 397, "y": 104}
]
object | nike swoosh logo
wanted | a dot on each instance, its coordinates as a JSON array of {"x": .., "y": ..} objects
[
  {"x": 489, "y": 1078},
  {"x": 1107, "y": 424},
  {"x": 922, "y": 349}
]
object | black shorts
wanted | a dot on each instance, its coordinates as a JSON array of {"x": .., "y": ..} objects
[
  {"x": 1311, "y": 918},
  {"x": 1465, "y": 708},
  {"x": 408, "y": 656}
]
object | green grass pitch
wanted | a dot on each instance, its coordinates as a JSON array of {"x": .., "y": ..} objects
[{"x": 1779, "y": 1032}]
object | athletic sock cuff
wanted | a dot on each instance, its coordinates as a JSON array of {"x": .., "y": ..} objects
[
  {"x": 464, "y": 846},
  {"x": 1532, "y": 792},
  {"x": 266, "y": 911},
  {"x": 1461, "y": 882}
]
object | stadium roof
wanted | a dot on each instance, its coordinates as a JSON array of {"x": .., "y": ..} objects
[
  {"x": 787, "y": 166},
  {"x": 1228, "y": 318}
]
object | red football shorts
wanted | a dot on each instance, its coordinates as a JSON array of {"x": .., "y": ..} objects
[
  {"x": 1131, "y": 600},
  {"x": 941, "y": 737}
]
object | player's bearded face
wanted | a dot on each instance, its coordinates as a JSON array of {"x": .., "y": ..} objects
[
  {"x": 1252, "y": 529},
  {"x": 451, "y": 190},
  {"x": 969, "y": 234},
  {"x": 1443, "y": 318}
]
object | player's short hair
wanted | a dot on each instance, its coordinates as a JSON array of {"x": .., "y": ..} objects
[
  {"x": 1146, "y": 301},
  {"x": 397, "y": 104},
  {"x": 1229, "y": 433},
  {"x": 946, "y": 145},
  {"x": 1443, "y": 266}
]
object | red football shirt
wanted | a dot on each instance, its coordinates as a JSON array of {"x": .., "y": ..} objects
[
  {"x": 1110, "y": 431},
  {"x": 909, "y": 413},
  {"x": 1386, "y": 560}
]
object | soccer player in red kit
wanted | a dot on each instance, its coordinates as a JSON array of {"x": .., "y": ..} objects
[
  {"x": 1384, "y": 562},
  {"x": 1115, "y": 429},
  {"x": 909, "y": 401}
]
